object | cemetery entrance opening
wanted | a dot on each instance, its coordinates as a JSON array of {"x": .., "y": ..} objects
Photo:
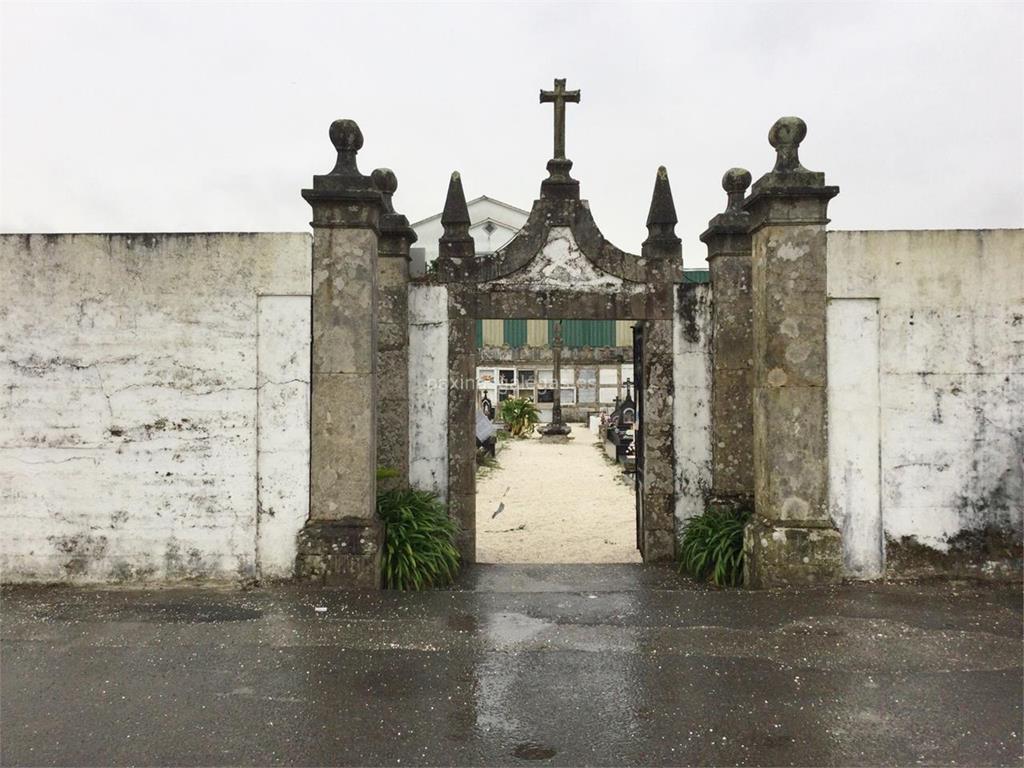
[
  {"x": 560, "y": 267},
  {"x": 562, "y": 490}
]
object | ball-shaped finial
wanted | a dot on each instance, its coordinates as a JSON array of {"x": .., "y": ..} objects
[
  {"x": 735, "y": 183},
  {"x": 787, "y": 132},
  {"x": 385, "y": 180},
  {"x": 346, "y": 136},
  {"x": 736, "y": 180},
  {"x": 785, "y": 136}
]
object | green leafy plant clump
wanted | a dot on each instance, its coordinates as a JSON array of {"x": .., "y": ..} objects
[
  {"x": 520, "y": 416},
  {"x": 419, "y": 540},
  {"x": 712, "y": 546}
]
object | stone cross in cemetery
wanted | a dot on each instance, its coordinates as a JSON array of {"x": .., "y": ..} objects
[{"x": 557, "y": 428}]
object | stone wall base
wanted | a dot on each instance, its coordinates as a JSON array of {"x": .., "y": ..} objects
[
  {"x": 340, "y": 553},
  {"x": 778, "y": 555},
  {"x": 990, "y": 553},
  {"x": 659, "y": 546}
]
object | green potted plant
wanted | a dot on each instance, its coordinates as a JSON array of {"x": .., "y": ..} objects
[{"x": 520, "y": 416}]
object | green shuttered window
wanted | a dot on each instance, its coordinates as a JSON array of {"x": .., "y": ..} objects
[
  {"x": 585, "y": 333},
  {"x": 575, "y": 333},
  {"x": 515, "y": 333}
]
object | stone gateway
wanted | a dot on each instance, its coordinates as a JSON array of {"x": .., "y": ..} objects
[{"x": 216, "y": 406}]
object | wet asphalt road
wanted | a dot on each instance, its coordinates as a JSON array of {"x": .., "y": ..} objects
[{"x": 520, "y": 665}]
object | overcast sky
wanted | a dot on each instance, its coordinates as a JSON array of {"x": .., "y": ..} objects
[{"x": 192, "y": 117}]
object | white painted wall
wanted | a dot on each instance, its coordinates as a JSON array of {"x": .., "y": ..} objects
[
  {"x": 949, "y": 341},
  {"x": 153, "y": 418},
  {"x": 854, "y": 433},
  {"x": 692, "y": 403},
  {"x": 282, "y": 423},
  {"x": 428, "y": 388}
]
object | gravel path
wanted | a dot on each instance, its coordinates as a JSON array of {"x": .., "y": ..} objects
[{"x": 563, "y": 503}]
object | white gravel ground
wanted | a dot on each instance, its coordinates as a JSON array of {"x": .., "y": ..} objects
[{"x": 563, "y": 503}]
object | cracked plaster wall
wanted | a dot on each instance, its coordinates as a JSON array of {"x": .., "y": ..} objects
[
  {"x": 153, "y": 406},
  {"x": 926, "y": 393},
  {"x": 562, "y": 264}
]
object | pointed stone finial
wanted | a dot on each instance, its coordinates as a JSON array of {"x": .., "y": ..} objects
[
  {"x": 661, "y": 219},
  {"x": 455, "y": 216},
  {"x": 456, "y": 242},
  {"x": 661, "y": 239},
  {"x": 785, "y": 136},
  {"x": 735, "y": 182}
]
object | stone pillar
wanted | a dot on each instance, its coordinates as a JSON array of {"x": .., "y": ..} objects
[
  {"x": 732, "y": 348},
  {"x": 340, "y": 543},
  {"x": 396, "y": 236},
  {"x": 792, "y": 539},
  {"x": 663, "y": 252},
  {"x": 455, "y": 250}
]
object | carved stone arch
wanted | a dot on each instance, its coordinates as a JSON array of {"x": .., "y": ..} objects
[{"x": 560, "y": 266}]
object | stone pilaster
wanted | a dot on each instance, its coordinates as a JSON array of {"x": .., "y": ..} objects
[
  {"x": 462, "y": 424},
  {"x": 456, "y": 252},
  {"x": 664, "y": 251},
  {"x": 792, "y": 539},
  {"x": 659, "y": 442},
  {"x": 340, "y": 543},
  {"x": 732, "y": 348},
  {"x": 396, "y": 236}
]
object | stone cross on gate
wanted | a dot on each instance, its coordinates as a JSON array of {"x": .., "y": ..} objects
[{"x": 559, "y": 96}]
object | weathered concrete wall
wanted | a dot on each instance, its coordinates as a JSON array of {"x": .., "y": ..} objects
[
  {"x": 428, "y": 388},
  {"x": 692, "y": 402},
  {"x": 926, "y": 382},
  {"x": 154, "y": 418}
]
